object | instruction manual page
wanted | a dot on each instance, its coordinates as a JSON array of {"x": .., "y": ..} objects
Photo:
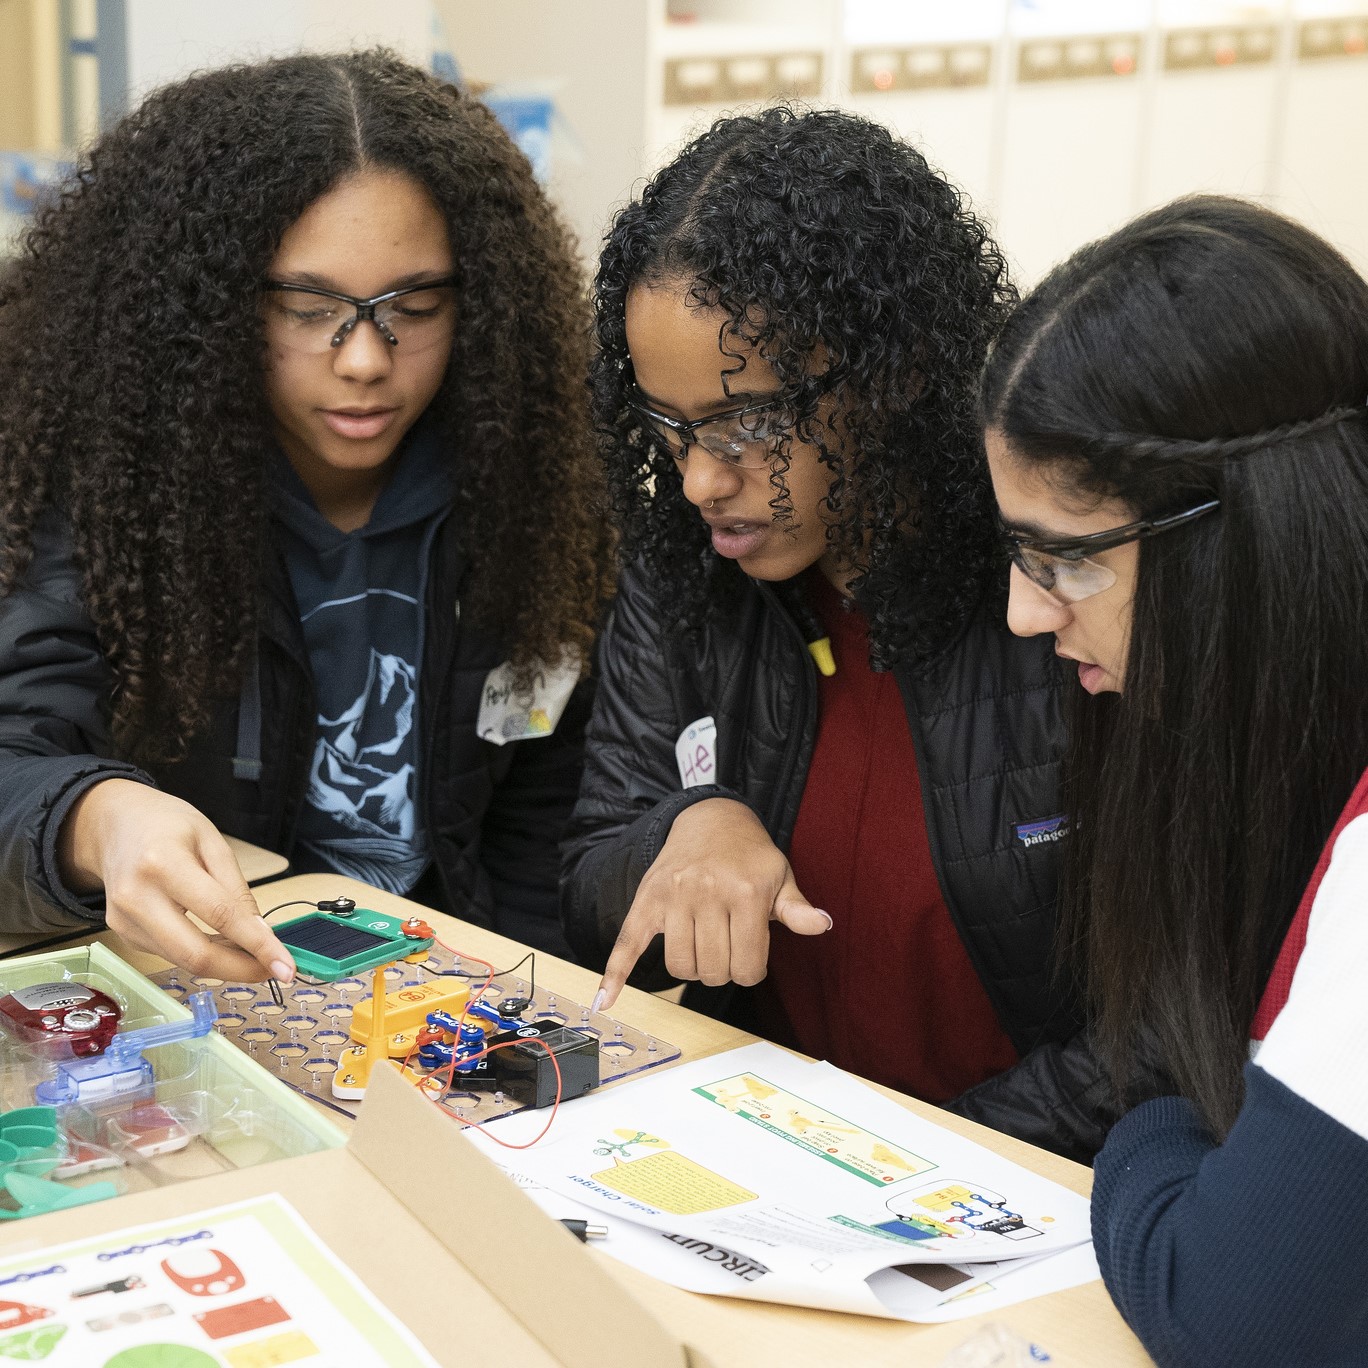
[
  {"x": 757, "y": 1174},
  {"x": 248, "y": 1285}
]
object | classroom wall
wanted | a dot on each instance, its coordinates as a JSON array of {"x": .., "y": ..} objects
[
  {"x": 1050, "y": 162},
  {"x": 1052, "y": 157},
  {"x": 166, "y": 39},
  {"x": 588, "y": 62},
  {"x": 16, "y": 86},
  {"x": 30, "y": 82}
]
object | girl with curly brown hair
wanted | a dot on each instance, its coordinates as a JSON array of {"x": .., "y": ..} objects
[
  {"x": 817, "y": 759},
  {"x": 300, "y": 535}
]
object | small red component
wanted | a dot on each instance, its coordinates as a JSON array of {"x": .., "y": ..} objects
[
  {"x": 150, "y": 1130},
  {"x": 80, "y": 1016},
  {"x": 15, "y": 1314},
  {"x": 417, "y": 929},
  {"x": 216, "y": 1281},
  {"x": 241, "y": 1317}
]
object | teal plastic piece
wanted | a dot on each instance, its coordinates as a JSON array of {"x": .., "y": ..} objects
[
  {"x": 38, "y": 1196},
  {"x": 327, "y": 947},
  {"x": 30, "y": 1142},
  {"x": 30, "y": 1146}
]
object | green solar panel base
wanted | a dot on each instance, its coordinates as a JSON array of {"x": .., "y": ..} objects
[{"x": 328, "y": 946}]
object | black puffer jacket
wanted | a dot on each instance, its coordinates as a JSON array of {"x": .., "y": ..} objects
[
  {"x": 985, "y": 720},
  {"x": 494, "y": 814}
]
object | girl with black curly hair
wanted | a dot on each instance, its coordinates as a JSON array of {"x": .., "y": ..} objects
[
  {"x": 790, "y": 323},
  {"x": 299, "y": 514}
]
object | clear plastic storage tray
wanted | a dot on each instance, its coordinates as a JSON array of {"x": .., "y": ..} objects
[{"x": 206, "y": 1108}]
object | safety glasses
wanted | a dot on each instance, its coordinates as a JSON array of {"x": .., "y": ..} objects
[
  {"x": 747, "y": 437},
  {"x": 305, "y": 318},
  {"x": 1064, "y": 569}
]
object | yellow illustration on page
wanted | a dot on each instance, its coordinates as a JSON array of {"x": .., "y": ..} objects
[
  {"x": 670, "y": 1182},
  {"x": 812, "y": 1128}
]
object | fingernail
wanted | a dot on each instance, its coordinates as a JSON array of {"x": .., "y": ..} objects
[
  {"x": 597, "y": 1005},
  {"x": 284, "y": 972},
  {"x": 826, "y": 916}
]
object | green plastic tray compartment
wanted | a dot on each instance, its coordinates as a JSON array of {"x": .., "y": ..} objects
[{"x": 250, "y": 1116}]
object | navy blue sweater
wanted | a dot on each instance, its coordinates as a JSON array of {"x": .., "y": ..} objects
[{"x": 1250, "y": 1254}]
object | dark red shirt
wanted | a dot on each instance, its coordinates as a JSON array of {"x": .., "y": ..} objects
[{"x": 889, "y": 992}]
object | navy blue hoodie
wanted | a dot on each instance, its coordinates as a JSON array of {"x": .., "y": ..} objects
[{"x": 360, "y": 597}]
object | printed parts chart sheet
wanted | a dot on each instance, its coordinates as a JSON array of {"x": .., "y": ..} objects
[
  {"x": 755, "y": 1174},
  {"x": 242, "y": 1286}
]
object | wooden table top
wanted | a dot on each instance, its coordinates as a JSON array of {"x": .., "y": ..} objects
[{"x": 1079, "y": 1328}]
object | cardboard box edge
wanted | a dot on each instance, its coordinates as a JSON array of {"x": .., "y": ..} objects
[{"x": 558, "y": 1287}]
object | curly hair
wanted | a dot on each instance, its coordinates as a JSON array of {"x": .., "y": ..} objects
[
  {"x": 131, "y": 381},
  {"x": 819, "y": 233}
]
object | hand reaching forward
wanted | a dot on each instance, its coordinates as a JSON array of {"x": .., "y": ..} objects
[
  {"x": 157, "y": 858},
  {"x": 713, "y": 890}
]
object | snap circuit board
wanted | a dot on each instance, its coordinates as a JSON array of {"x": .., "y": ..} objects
[{"x": 302, "y": 1041}]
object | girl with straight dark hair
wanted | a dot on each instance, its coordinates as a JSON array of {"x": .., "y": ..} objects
[{"x": 1177, "y": 426}]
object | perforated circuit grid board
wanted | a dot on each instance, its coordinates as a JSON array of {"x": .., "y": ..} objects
[{"x": 300, "y": 1042}]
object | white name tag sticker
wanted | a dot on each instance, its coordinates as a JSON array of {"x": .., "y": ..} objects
[
  {"x": 696, "y": 752},
  {"x": 506, "y": 714}
]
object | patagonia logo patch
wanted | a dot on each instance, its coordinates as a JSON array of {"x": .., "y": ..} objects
[{"x": 1043, "y": 831}]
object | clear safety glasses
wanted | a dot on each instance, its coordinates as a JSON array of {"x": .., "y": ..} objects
[
  {"x": 747, "y": 437},
  {"x": 1064, "y": 569},
  {"x": 308, "y": 319}
]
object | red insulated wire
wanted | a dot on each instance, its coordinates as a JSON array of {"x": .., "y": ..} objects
[
  {"x": 489, "y": 977},
  {"x": 450, "y": 1070}
]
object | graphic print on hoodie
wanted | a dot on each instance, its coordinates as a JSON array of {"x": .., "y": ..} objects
[{"x": 360, "y": 597}]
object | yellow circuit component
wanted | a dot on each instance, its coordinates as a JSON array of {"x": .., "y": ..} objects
[
  {"x": 355, "y": 1063},
  {"x": 821, "y": 653},
  {"x": 405, "y": 1009}
]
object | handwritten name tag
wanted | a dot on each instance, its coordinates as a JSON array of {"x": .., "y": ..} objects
[
  {"x": 696, "y": 752},
  {"x": 507, "y": 714}
]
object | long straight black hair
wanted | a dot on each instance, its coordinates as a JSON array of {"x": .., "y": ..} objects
[{"x": 1210, "y": 349}]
